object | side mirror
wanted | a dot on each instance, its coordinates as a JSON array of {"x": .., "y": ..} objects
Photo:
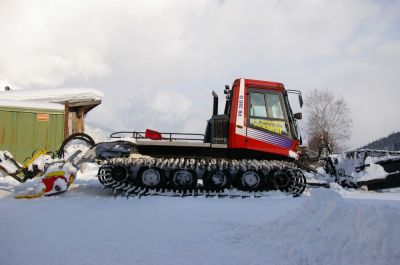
[
  {"x": 301, "y": 101},
  {"x": 298, "y": 116}
]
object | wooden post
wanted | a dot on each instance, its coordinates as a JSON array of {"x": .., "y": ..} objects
[
  {"x": 80, "y": 120},
  {"x": 83, "y": 121},
  {"x": 66, "y": 119}
]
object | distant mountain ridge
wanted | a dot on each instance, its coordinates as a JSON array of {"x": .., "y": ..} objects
[{"x": 390, "y": 143}]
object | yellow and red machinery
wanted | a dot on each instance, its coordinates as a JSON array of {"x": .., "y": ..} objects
[{"x": 56, "y": 173}]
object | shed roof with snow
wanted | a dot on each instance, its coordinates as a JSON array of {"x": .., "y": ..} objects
[
  {"x": 42, "y": 118},
  {"x": 75, "y": 97}
]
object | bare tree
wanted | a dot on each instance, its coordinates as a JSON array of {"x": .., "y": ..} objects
[{"x": 328, "y": 118}]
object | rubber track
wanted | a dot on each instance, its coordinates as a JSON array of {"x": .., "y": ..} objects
[{"x": 128, "y": 189}]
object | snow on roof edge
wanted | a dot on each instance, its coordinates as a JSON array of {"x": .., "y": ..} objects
[
  {"x": 30, "y": 104},
  {"x": 54, "y": 95}
]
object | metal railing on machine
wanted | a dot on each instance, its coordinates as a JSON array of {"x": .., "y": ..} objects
[{"x": 169, "y": 136}]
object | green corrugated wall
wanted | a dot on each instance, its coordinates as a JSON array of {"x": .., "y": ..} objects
[{"x": 21, "y": 132}]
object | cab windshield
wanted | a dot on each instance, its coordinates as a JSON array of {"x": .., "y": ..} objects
[{"x": 267, "y": 112}]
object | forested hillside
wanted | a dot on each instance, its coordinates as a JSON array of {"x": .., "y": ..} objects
[{"x": 390, "y": 143}]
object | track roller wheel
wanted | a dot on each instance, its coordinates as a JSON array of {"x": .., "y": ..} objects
[
  {"x": 183, "y": 179},
  {"x": 216, "y": 180},
  {"x": 250, "y": 180},
  {"x": 119, "y": 173},
  {"x": 151, "y": 178},
  {"x": 292, "y": 181},
  {"x": 104, "y": 174}
]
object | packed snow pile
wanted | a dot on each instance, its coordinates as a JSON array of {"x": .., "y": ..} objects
[
  {"x": 350, "y": 165},
  {"x": 363, "y": 165},
  {"x": 327, "y": 229},
  {"x": 5, "y": 164}
]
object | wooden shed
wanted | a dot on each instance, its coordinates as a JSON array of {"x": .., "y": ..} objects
[
  {"x": 26, "y": 126},
  {"x": 43, "y": 118}
]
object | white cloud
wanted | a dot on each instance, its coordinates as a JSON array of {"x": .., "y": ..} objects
[
  {"x": 169, "y": 106},
  {"x": 48, "y": 44}
]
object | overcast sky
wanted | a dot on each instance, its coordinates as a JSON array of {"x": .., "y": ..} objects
[{"x": 158, "y": 61}]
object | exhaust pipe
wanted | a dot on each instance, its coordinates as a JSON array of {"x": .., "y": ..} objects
[{"x": 215, "y": 104}]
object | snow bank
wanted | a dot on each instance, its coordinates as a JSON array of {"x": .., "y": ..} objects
[
  {"x": 97, "y": 229},
  {"x": 326, "y": 229}
]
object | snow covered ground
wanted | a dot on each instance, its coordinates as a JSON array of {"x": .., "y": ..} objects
[{"x": 87, "y": 225}]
